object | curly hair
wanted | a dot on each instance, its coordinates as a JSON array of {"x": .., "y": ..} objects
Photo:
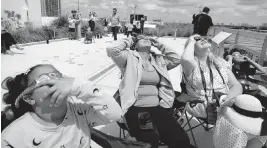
[{"x": 15, "y": 87}]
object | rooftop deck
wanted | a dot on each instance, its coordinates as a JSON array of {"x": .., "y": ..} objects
[{"x": 73, "y": 58}]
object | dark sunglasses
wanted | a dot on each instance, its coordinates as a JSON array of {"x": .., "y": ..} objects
[{"x": 197, "y": 38}]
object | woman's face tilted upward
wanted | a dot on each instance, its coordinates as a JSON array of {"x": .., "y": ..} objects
[
  {"x": 201, "y": 46},
  {"x": 143, "y": 44}
]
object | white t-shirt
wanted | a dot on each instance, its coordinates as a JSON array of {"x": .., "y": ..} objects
[
  {"x": 74, "y": 131},
  {"x": 130, "y": 27},
  {"x": 72, "y": 23},
  {"x": 115, "y": 20}
]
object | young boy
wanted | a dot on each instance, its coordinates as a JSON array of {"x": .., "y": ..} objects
[{"x": 88, "y": 36}]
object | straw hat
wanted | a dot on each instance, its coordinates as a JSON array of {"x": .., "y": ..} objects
[{"x": 246, "y": 114}]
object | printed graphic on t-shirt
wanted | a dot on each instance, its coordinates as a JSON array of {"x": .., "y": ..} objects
[{"x": 36, "y": 143}]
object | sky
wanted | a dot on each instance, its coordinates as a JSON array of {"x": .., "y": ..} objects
[{"x": 252, "y": 12}]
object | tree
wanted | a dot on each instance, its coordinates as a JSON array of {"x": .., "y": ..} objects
[{"x": 12, "y": 20}]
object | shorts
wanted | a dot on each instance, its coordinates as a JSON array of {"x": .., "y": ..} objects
[
  {"x": 71, "y": 29},
  {"x": 105, "y": 28}
]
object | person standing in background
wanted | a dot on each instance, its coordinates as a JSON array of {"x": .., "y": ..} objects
[
  {"x": 92, "y": 21},
  {"x": 115, "y": 21},
  {"x": 142, "y": 22},
  {"x": 74, "y": 24},
  {"x": 203, "y": 22},
  {"x": 106, "y": 27},
  {"x": 78, "y": 26},
  {"x": 129, "y": 29},
  {"x": 138, "y": 28}
]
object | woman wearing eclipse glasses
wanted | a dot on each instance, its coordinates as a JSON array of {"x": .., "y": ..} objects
[
  {"x": 46, "y": 109},
  {"x": 207, "y": 78},
  {"x": 210, "y": 80},
  {"x": 146, "y": 92}
]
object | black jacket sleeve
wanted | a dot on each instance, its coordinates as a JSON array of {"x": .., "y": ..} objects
[{"x": 264, "y": 128}]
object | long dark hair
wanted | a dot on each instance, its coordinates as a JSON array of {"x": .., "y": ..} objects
[{"x": 15, "y": 87}]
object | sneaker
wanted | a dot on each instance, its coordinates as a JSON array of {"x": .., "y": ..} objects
[
  {"x": 20, "y": 48},
  {"x": 9, "y": 52}
]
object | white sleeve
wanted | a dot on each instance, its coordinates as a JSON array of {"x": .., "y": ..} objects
[{"x": 97, "y": 98}]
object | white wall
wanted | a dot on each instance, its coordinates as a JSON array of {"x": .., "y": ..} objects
[
  {"x": 46, "y": 21},
  {"x": 35, "y": 12},
  {"x": 19, "y": 7}
]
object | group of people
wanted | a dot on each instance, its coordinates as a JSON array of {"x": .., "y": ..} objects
[
  {"x": 55, "y": 106},
  {"x": 114, "y": 23},
  {"x": 138, "y": 28}
]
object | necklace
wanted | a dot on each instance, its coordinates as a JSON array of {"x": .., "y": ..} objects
[{"x": 148, "y": 67}]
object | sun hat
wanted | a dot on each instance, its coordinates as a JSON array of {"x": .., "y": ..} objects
[{"x": 247, "y": 115}]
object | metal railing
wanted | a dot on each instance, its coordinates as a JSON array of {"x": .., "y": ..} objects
[{"x": 259, "y": 38}]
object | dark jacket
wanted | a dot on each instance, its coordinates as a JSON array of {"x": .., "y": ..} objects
[{"x": 92, "y": 25}]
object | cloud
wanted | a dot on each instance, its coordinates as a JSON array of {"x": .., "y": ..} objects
[
  {"x": 251, "y": 2},
  {"x": 221, "y": 10},
  {"x": 262, "y": 13},
  {"x": 149, "y": 6}
]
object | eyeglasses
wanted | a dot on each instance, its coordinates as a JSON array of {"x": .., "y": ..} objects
[
  {"x": 39, "y": 79},
  {"x": 46, "y": 76},
  {"x": 197, "y": 38}
]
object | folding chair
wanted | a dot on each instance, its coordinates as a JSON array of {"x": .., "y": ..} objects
[
  {"x": 122, "y": 125},
  {"x": 182, "y": 110}
]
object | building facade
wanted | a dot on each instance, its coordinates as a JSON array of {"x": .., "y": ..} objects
[
  {"x": 51, "y": 8},
  {"x": 33, "y": 12}
]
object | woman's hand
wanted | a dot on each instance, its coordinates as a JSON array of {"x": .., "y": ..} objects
[
  {"x": 192, "y": 38},
  {"x": 155, "y": 50},
  {"x": 59, "y": 90},
  {"x": 154, "y": 42}
]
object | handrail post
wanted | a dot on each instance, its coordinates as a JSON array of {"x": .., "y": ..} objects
[
  {"x": 236, "y": 37},
  {"x": 54, "y": 33},
  {"x": 263, "y": 52},
  {"x": 214, "y": 32},
  {"x": 175, "y": 33}
]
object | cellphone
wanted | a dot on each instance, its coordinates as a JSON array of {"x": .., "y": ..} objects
[{"x": 145, "y": 121}]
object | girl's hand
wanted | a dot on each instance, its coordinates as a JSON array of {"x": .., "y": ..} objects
[
  {"x": 59, "y": 90},
  {"x": 247, "y": 58},
  {"x": 229, "y": 58}
]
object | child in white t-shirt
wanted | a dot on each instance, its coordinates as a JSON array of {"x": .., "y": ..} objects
[
  {"x": 49, "y": 110},
  {"x": 129, "y": 29}
]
